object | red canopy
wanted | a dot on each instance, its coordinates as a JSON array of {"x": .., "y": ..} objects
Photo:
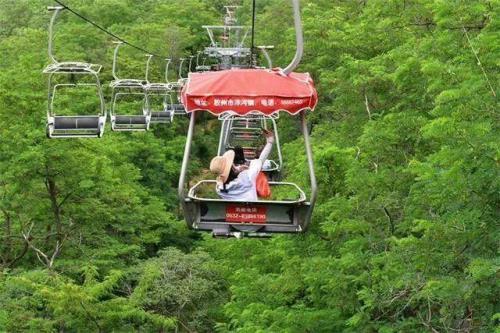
[{"x": 242, "y": 91}]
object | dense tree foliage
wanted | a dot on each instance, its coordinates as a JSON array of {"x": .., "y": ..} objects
[{"x": 406, "y": 143}]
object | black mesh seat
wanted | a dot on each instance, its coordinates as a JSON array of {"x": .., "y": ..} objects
[
  {"x": 130, "y": 123},
  {"x": 162, "y": 117},
  {"x": 75, "y": 126},
  {"x": 78, "y": 122},
  {"x": 177, "y": 108}
]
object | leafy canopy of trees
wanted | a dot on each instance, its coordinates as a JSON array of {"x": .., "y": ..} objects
[{"x": 406, "y": 142}]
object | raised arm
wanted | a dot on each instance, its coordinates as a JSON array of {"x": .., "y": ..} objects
[
  {"x": 256, "y": 165},
  {"x": 268, "y": 147}
]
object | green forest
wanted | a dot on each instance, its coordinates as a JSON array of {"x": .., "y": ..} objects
[{"x": 406, "y": 141}]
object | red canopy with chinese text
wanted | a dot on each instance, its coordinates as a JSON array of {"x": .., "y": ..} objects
[{"x": 242, "y": 91}]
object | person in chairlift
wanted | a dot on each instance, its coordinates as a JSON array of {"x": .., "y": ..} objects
[{"x": 236, "y": 180}]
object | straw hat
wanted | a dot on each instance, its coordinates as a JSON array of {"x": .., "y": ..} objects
[{"x": 221, "y": 165}]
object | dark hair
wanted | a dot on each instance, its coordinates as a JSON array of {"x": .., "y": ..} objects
[
  {"x": 232, "y": 176},
  {"x": 239, "y": 155}
]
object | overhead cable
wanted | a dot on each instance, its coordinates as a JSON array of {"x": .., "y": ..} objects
[{"x": 107, "y": 31}]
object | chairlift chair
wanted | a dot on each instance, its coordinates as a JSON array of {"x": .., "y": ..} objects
[
  {"x": 291, "y": 92},
  {"x": 75, "y": 126},
  {"x": 227, "y": 41},
  {"x": 202, "y": 67},
  {"x": 122, "y": 88},
  {"x": 163, "y": 89},
  {"x": 176, "y": 87}
]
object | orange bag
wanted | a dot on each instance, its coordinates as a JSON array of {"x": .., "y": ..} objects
[{"x": 263, "y": 188}]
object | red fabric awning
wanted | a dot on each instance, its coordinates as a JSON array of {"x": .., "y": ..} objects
[{"x": 242, "y": 91}]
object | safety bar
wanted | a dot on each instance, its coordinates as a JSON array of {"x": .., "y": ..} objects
[
  {"x": 299, "y": 38},
  {"x": 52, "y": 88},
  {"x": 302, "y": 195}
]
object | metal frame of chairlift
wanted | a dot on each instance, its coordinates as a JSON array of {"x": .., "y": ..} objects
[
  {"x": 130, "y": 87},
  {"x": 202, "y": 67},
  {"x": 264, "y": 49},
  {"x": 78, "y": 126},
  {"x": 285, "y": 216},
  {"x": 162, "y": 89},
  {"x": 249, "y": 129},
  {"x": 226, "y": 53},
  {"x": 176, "y": 87}
]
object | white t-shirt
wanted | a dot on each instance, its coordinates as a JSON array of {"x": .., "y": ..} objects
[{"x": 244, "y": 187}]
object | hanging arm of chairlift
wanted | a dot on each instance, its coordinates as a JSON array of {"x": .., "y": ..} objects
[
  {"x": 299, "y": 39},
  {"x": 56, "y": 10},
  {"x": 264, "y": 49}
]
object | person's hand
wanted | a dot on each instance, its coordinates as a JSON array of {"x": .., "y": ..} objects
[{"x": 269, "y": 135}]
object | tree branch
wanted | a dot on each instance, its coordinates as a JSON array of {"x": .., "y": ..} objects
[{"x": 479, "y": 62}]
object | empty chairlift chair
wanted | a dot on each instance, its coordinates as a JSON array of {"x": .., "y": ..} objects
[
  {"x": 201, "y": 67},
  {"x": 164, "y": 91},
  {"x": 123, "y": 88},
  {"x": 72, "y": 126},
  {"x": 176, "y": 87}
]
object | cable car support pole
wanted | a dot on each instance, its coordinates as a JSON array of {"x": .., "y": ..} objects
[
  {"x": 312, "y": 175},
  {"x": 252, "y": 49},
  {"x": 299, "y": 38},
  {"x": 185, "y": 161}
]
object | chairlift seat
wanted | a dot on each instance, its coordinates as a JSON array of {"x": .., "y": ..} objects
[
  {"x": 162, "y": 117},
  {"x": 75, "y": 126},
  {"x": 130, "y": 122},
  {"x": 177, "y": 108}
]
